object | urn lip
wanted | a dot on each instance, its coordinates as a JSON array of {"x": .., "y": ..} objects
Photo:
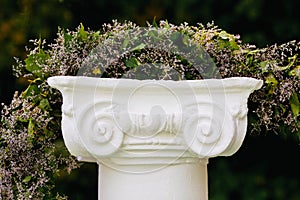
[{"x": 226, "y": 83}]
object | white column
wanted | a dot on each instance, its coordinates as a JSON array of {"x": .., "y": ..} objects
[
  {"x": 152, "y": 139},
  {"x": 173, "y": 182}
]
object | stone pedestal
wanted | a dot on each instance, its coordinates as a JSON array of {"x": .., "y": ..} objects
[{"x": 152, "y": 139}]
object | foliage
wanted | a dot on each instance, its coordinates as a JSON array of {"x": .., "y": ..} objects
[
  {"x": 29, "y": 159},
  {"x": 30, "y": 125},
  {"x": 30, "y": 130},
  {"x": 274, "y": 108},
  {"x": 21, "y": 20},
  {"x": 276, "y": 105}
]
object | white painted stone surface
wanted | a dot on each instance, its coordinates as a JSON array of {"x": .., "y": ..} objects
[
  {"x": 152, "y": 139},
  {"x": 172, "y": 182}
]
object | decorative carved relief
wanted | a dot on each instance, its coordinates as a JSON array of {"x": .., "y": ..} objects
[
  {"x": 209, "y": 130},
  {"x": 98, "y": 130},
  {"x": 239, "y": 110},
  {"x": 145, "y": 125},
  {"x": 99, "y": 126}
]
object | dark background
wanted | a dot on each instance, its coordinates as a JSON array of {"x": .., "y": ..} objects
[{"x": 266, "y": 167}]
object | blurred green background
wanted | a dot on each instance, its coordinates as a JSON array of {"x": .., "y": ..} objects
[{"x": 267, "y": 166}]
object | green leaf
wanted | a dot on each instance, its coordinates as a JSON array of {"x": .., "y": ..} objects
[
  {"x": 253, "y": 52},
  {"x": 154, "y": 24},
  {"x": 31, "y": 90},
  {"x": 132, "y": 63},
  {"x": 153, "y": 34},
  {"x": 295, "y": 71},
  {"x": 175, "y": 36},
  {"x": 67, "y": 37},
  {"x": 34, "y": 63},
  {"x": 234, "y": 45},
  {"x": 223, "y": 43},
  {"x": 96, "y": 71},
  {"x": 26, "y": 179},
  {"x": 291, "y": 63},
  {"x": 82, "y": 32},
  {"x": 45, "y": 105},
  {"x": 282, "y": 108},
  {"x": 264, "y": 66},
  {"x": 271, "y": 82},
  {"x": 138, "y": 47},
  {"x": 295, "y": 105},
  {"x": 167, "y": 25},
  {"x": 226, "y": 36},
  {"x": 96, "y": 34},
  {"x": 227, "y": 41},
  {"x": 185, "y": 39},
  {"x": 31, "y": 128},
  {"x": 125, "y": 43}
]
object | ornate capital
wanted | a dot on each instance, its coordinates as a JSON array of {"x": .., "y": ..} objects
[{"x": 131, "y": 122}]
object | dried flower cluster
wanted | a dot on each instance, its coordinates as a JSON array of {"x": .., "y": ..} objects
[
  {"x": 30, "y": 125},
  {"x": 276, "y": 106},
  {"x": 28, "y": 158}
]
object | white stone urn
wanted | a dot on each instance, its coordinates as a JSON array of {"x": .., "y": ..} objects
[{"x": 152, "y": 138}]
